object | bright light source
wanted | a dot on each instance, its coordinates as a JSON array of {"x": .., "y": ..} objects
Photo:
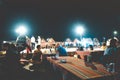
[
  {"x": 80, "y": 30},
  {"x": 21, "y": 30},
  {"x": 4, "y": 41},
  {"x": 115, "y": 32}
]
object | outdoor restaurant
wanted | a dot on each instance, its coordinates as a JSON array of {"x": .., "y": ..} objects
[{"x": 59, "y": 40}]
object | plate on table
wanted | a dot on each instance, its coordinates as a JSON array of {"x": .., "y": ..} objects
[{"x": 63, "y": 61}]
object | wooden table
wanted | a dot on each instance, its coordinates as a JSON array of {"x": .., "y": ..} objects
[{"x": 81, "y": 70}]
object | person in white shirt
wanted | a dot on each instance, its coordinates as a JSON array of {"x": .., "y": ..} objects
[{"x": 33, "y": 42}]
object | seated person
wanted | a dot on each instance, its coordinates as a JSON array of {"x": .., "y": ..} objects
[
  {"x": 109, "y": 53},
  {"x": 5, "y": 46},
  {"x": 117, "y": 61},
  {"x": 37, "y": 55},
  {"x": 11, "y": 63},
  {"x": 61, "y": 50},
  {"x": 80, "y": 48},
  {"x": 37, "y": 58},
  {"x": 28, "y": 49},
  {"x": 90, "y": 47},
  {"x": 103, "y": 47}
]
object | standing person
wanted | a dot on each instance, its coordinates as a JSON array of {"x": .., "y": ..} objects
[
  {"x": 33, "y": 42},
  {"x": 61, "y": 50},
  {"x": 39, "y": 40},
  {"x": 28, "y": 42}
]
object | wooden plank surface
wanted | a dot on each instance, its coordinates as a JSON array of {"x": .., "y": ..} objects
[{"x": 81, "y": 69}]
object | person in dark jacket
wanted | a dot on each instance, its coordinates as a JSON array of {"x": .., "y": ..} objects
[{"x": 109, "y": 53}]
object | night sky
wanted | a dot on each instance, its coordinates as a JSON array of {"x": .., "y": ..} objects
[{"x": 57, "y": 18}]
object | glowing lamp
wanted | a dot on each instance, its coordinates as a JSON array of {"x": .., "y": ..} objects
[
  {"x": 21, "y": 30},
  {"x": 80, "y": 30}
]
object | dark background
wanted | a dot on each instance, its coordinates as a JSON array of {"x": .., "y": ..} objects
[{"x": 56, "y": 18}]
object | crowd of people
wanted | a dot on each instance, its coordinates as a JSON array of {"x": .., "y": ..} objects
[
  {"x": 10, "y": 63},
  {"x": 13, "y": 56}
]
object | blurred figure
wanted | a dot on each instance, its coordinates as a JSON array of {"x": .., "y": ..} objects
[
  {"x": 5, "y": 46},
  {"x": 21, "y": 42},
  {"x": 28, "y": 49},
  {"x": 61, "y": 50},
  {"x": 33, "y": 42},
  {"x": 109, "y": 53},
  {"x": 37, "y": 58},
  {"x": 90, "y": 47},
  {"x": 37, "y": 55},
  {"x": 117, "y": 61},
  {"x": 39, "y": 40},
  {"x": 118, "y": 44},
  {"x": 28, "y": 52},
  {"x": 12, "y": 57},
  {"x": 80, "y": 48},
  {"x": 25, "y": 54},
  {"x": 103, "y": 47},
  {"x": 12, "y": 63}
]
